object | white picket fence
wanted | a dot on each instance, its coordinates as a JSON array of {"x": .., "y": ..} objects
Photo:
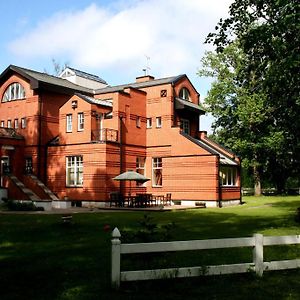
[{"x": 258, "y": 241}]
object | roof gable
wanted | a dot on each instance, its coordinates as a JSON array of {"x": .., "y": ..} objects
[{"x": 44, "y": 80}]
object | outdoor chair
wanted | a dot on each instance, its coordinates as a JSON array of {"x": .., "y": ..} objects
[
  {"x": 140, "y": 200},
  {"x": 168, "y": 199},
  {"x": 116, "y": 199}
]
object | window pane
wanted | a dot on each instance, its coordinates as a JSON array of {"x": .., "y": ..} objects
[
  {"x": 157, "y": 177},
  {"x": 158, "y": 122},
  {"x": 149, "y": 122},
  {"x": 69, "y": 123},
  {"x": 228, "y": 176},
  {"x": 157, "y": 171},
  {"x": 74, "y": 171},
  {"x": 13, "y": 92},
  {"x": 80, "y": 121}
]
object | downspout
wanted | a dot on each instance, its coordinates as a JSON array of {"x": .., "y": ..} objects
[
  {"x": 174, "y": 96},
  {"x": 121, "y": 150},
  {"x": 240, "y": 175},
  {"x": 46, "y": 162},
  {"x": 39, "y": 136},
  {"x": 219, "y": 183}
]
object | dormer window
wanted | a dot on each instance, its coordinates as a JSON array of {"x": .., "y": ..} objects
[
  {"x": 15, "y": 91},
  {"x": 184, "y": 94}
]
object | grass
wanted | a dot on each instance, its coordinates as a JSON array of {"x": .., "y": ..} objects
[{"x": 41, "y": 258}]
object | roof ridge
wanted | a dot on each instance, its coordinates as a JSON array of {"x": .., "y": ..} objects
[
  {"x": 168, "y": 79},
  {"x": 45, "y": 77}
]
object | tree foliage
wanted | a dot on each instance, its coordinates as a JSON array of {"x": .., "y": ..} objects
[{"x": 256, "y": 94}]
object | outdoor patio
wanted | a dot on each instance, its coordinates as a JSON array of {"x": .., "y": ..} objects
[{"x": 140, "y": 200}]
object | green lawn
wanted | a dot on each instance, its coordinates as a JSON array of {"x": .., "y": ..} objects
[{"x": 41, "y": 258}]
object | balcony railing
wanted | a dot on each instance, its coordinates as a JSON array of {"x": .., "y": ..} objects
[{"x": 105, "y": 135}]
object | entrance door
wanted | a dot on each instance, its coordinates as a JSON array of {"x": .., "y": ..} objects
[
  {"x": 4, "y": 167},
  {"x": 185, "y": 126}
]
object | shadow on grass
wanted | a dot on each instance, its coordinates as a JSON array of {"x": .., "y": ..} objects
[{"x": 41, "y": 258}]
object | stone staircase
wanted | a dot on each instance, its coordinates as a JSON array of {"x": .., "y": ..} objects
[
  {"x": 28, "y": 192},
  {"x": 46, "y": 190}
]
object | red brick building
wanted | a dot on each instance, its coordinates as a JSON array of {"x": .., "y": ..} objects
[{"x": 74, "y": 133}]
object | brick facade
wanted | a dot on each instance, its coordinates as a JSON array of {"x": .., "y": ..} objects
[{"x": 103, "y": 132}]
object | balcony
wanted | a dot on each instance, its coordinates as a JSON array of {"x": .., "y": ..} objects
[{"x": 105, "y": 135}]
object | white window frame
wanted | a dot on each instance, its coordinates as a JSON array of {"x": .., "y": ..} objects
[
  {"x": 184, "y": 94},
  {"x": 14, "y": 91},
  {"x": 140, "y": 168},
  {"x": 8, "y": 123},
  {"x": 157, "y": 169},
  {"x": 185, "y": 126},
  {"x": 23, "y": 123},
  {"x": 69, "y": 123},
  {"x": 158, "y": 122},
  {"x": 16, "y": 123},
  {"x": 74, "y": 171},
  {"x": 228, "y": 176},
  {"x": 149, "y": 123},
  {"x": 2, "y": 124},
  {"x": 80, "y": 121}
]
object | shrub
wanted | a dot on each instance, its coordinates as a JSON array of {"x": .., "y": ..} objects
[
  {"x": 149, "y": 231},
  {"x": 22, "y": 206}
]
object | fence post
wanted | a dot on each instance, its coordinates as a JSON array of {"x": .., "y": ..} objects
[
  {"x": 115, "y": 258},
  {"x": 258, "y": 254}
]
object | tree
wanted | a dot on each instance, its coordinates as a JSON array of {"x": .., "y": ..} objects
[
  {"x": 268, "y": 35},
  {"x": 57, "y": 67},
  {"x": 241, "y": 118}
]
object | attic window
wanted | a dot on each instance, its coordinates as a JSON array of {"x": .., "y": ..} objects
[
  {"x": 163, "y": 93},
  {"x": 184, "y": 94},
  {"x": 74, "y": 104},
  {"x": 15, "y": 91}
]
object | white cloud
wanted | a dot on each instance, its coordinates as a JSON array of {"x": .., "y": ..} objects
[
  {"x": 112, "y": 41},
  {"x": 171, "y": 32}
]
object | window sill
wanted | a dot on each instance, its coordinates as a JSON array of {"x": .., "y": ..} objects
[{"x": 74, "y": 186}]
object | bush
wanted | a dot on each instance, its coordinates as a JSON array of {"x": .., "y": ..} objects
[
  {"x": 22, "y": 206},
  {"x": 149, "y": 231}
]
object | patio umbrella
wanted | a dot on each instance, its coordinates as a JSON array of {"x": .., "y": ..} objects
[{"x": 131, "y": 176}]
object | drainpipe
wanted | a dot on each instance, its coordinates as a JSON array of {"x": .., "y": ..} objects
[
  {"x": 240, "y": 175},
  {"x": 174, "y": 96},
  {"x": 39, "y": 159},
  {"x": 121, "y": 150},
  {"x": 46, "y": 162},
  {"x": 219, "y": 182}
]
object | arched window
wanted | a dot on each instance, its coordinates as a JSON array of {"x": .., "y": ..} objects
[
  {"x": 184, "y": 94},
  {"x": 14, "y": 91}
]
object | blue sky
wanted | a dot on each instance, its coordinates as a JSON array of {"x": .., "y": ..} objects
[{"x": 111, "y": 39}]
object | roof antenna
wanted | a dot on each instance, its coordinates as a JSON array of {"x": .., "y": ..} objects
[{"x": 147, "y": 68}]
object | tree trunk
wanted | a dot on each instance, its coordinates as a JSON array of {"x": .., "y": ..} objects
[{"x": 257, "y": 182}]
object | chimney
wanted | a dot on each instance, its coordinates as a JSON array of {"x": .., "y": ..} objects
[{"x": 144, "y": 78}]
